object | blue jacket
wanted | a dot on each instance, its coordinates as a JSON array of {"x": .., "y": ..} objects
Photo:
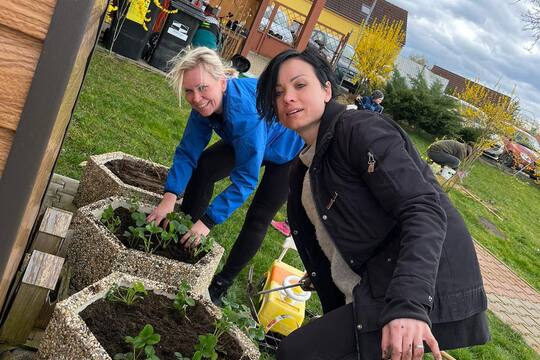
[
  {"x": 253, "y": 140},
  {"x": 368, "y": 104}
]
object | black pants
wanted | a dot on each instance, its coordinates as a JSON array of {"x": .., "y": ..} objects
[
  {"x": 332, "y": 337},
  {"x": 216, "y": 163},
  {"x": 443, "y": 159}
]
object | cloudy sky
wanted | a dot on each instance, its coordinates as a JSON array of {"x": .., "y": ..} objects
[{"x": 481, "y": 39}]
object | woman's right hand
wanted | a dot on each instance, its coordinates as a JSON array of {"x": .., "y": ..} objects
[{"x": 165, "y": 206}]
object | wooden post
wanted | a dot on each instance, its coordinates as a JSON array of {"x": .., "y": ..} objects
[
  {"x": 312, "y": 18},
  {"x": 250, "y": 42},
  {"x": 39, "y": 278},
  {"x": 52, "y": 231}
]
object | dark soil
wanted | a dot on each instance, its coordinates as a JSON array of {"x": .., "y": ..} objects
[
  {"x": 110, "y": 322},
  {"x": 139, "y": 174},
  {"x": 173, "y": 251}
]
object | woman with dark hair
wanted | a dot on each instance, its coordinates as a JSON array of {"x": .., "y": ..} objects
[{"x": 390, "y": 257}]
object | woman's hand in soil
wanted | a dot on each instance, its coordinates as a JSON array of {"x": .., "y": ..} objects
[
  {"x": 165, "y": 206},
  {"x": 403, "y": 339},
  {"x": 193, "y": 236}
]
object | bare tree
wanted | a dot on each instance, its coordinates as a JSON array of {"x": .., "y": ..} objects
[{"x": 532, "y": 21}]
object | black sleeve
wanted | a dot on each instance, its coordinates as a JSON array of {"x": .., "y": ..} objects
[{"x": 401, "y": 189}]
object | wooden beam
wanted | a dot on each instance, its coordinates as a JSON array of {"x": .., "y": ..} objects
[
  {"x": 251, "y": 41},
  {"x": 312, "y": 18},
  {"x": 50, "y": 102},
  {"x": 52, "y": 231},
  {"x": 40, "y": 277}
]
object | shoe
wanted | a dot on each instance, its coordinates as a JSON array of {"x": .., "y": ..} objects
[{"x": 218, "y": 289}]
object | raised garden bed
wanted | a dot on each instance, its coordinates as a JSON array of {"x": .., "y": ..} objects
[
  {"x": 120, "y": 174},
  {"x": 87, "y": 326},
  {"x": 95, "y": 251}
]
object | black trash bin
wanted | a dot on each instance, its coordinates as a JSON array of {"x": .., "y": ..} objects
[
  {"x": 132, "y": 37},
  {"x": 177, "y": 33}
]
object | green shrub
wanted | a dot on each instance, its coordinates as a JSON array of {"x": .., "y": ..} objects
[
  {"x": 469, "y": 134},
  {"x": 422, "y": 106}
]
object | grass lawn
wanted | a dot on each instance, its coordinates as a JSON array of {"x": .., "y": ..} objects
[{"x": 125, "y": 108}]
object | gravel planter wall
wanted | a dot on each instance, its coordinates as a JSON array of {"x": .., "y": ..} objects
[
  {"x": 68, "y": 337},
  {"x": 99, "y": 181},
  {"x": 94, "y": 252}
]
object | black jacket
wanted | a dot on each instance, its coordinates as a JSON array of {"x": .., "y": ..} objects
[{"x": 390, "y": 221}]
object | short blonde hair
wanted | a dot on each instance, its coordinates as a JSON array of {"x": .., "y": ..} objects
[{"x": 190, "y": 58}]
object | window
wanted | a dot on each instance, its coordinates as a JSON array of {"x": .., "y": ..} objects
[{"x": 366, "y": 9}]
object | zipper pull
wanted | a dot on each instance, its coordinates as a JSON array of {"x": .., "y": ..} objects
[
  {"x": 371, "y": 163},
  {"x": 332, "y": 200}
]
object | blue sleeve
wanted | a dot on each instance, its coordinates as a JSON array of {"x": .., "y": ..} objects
[
  {"x": 249, "y": 145},
  {"x": 196, "y": 136}
]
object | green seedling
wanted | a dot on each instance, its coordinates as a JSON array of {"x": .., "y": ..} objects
[
  {"x": 183, "y": 300},
  {"x": 148, "y": 242},
  {"x": 179, "y": 223},
  {"x": 134, "y": 204},
  {"x": 141, "y": 345},
  {"x": 179, "y": 356},
  {"x": 127, "y": 295},
  {"x": 135, "y": 235},
  {"x": 111, "y": 221},
  {"x": 205, "y": 246},
  {"x": 139, "y": 218},
  {"x": 241, "y": 317},
  {"x": 206, "y": 347}
]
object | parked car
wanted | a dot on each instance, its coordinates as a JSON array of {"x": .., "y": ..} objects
[
  {"x": 496, "y": 149},
  {"x": 521, "y": 151},
  {"x": 328, "y": 44},
  {"x": 280, "y": 27}
]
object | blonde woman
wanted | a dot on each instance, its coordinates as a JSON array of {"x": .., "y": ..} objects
[{"x": 226, "y": 107}]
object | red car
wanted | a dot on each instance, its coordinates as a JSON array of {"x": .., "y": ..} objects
[{"x": 522, "y": 152}]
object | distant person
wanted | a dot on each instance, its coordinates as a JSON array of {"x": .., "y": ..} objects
[
  {"x": 448, "y": 152},
  {"x": 208, "y": 33},
  {"x": 371, "y": 103}
]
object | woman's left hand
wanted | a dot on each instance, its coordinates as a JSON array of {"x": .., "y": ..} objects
[
  {"x": 403, "y": 339},
  {"x": 193, "y": 236}
]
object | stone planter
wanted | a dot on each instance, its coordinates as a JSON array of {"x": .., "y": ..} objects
[
  {"x": 112, "y": 174},
  {"x": 68, "y": 337},
  {"x": 94, "y": 252}
]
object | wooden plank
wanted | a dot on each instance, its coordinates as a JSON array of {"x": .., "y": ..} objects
[
  {"x": 40, "y": 276},
  {"x": 23, "y": 313},
  {"x": 52, "y": 231},
  {"x": 43, "y": 270},
  {"x": 56, "y": 222},
  {"x": 19, "y": 217},
  {"x": 6, "y": 139},
  {"x": 18, "y": 59},
  {"x": 31, "y": 17}
]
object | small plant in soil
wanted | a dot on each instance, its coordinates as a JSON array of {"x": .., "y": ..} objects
[
  {"x": 179, "y": 356},
  {"x": 241, "y": 316},
  {"x": 130, "y": 226},
  {"x": 183, "y": 300},
  {"x": 205, "y": 245},
  {"x": 110, "y": 220},
  {"x": 142, "y": 345},
  {"x": 126, "y": 295}
]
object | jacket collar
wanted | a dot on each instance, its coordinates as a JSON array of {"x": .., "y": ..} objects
[{"x": 329, "y": 119}]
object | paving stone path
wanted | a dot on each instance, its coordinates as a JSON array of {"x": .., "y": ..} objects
[{"x": 510, "y": 298}]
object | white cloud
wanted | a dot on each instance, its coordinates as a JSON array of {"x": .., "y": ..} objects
[{"x": 477, "y": 39}]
